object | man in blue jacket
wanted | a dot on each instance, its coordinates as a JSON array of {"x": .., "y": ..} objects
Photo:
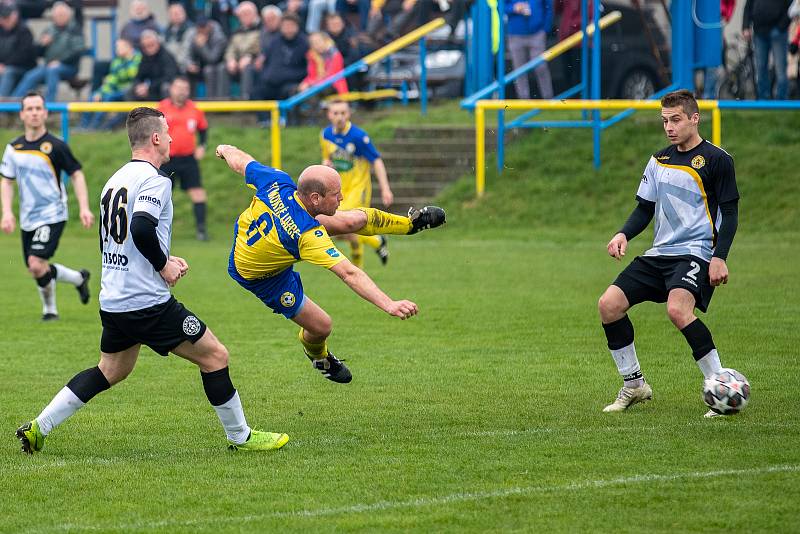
[{"x": 528, "y": 22}]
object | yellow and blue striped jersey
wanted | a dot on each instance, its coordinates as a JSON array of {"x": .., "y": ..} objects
[
  {"x": 276, "y": 231},
  {"x": 352, "y": 154}
]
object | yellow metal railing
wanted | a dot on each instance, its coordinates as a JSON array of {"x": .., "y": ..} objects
[
  {"x": 211, "y": 107},
  {"x": 483, "y": 105}
]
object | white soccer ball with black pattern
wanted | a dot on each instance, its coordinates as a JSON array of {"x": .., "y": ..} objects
[{"x": 726, "y": 392}]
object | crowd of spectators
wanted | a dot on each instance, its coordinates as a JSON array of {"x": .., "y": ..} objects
[{"x": 231, "y": 49}]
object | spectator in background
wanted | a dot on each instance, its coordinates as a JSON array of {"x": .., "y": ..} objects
[
  {"x": 343, "y": 36},
  {"x": 323, "y": 60},
  {"x": 157, "y": 69},
  {"x": 766, "y": 22},
  {"x": 61, "y": 45},
  {"x": 223, "y": 12},
  {"x": 17, "y": 51},
  {"x": 178, "y": 35},
  {"x": 401, "y": 14},
  {"x": 243, "y": 49},
  {"x": 527, "y": 27},
  {"x": 122, "y": 73},
  {"x": 317, "y": 9},
  {"x": 296, "y": 8},
  {"x": 362, "y": 7},
  {"x": 205, "y": 56},
  {"x": 285, "y": 64},
  {"x": 141, "y": 19},
  {"x": 570, "y": 23},
  {"x": 271, "y": 17},
  {"x": 188, "y": 8}
]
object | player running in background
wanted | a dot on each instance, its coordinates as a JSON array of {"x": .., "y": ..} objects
[
  {"x": 690, "y": 188},
  {"x": 287, "y": 223},
  {"x": 35, "y": 161},
  {"x": 136, "y": 306},
  {"x": 348, "y": 149},
  {"x": 185, "y": 121}
]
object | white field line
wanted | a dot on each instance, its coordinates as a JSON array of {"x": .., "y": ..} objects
[
  {"x": 59, "y": 463},
  {"x": 441, "y": 500}
]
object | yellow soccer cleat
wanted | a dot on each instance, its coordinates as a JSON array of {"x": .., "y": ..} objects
[
  {"x": 31, "y": 437},
  {"x": 260, "y": 441},
  {"x": 627, "y": 397}
]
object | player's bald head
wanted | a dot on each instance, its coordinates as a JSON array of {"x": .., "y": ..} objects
[{"x": 318, "y": 179}]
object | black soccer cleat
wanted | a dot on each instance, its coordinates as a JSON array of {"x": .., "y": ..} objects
[
  {"x": 50, "y": 317},
  {"x": 332, "y": 368},
  {"x": 426, "y": 218},
  {"x": 83, "y": 289},
  {"x": 383, "y": 250}
]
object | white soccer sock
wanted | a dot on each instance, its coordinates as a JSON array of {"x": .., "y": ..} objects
[
  {"x": 65, "y": 274},
  {"x": 710, "y": 364},
  {"x": 63, "y": 405},
  {"x": 48, "y": 296},
  {"x": 628, "y": 364},
  {"x": 231, "y": 415}
]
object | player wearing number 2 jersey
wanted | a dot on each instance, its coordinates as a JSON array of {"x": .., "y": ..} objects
[
  {"x": 136, "y": 307},
  {"x": 690, "y": 189}
]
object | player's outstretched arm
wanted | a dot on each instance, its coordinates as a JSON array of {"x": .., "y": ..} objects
[
  {"x": 7, "y": 200},
  {"x": 82, "y": 195},
  {"x": 387, "y": 197},
  {"x": 363, "y": 285},
  {"x": 236, "y": 159}
]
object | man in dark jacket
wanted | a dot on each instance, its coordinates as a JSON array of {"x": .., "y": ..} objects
[
  {"x": 285, "y": 62},
  {"x": 767, "y": 23},
  {"x": 17, "y": 51},
  {"x": 157, "y": 69},
  {"x": 61, "y": 45}
]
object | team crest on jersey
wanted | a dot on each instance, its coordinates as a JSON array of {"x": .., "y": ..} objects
[
  {"x": 698, "y": 162},
  {"x": 287, "y": 300},
  {"x": 46, "y": 147},
  {"x": 191, "y": 325},
  {"x": 350, "y": 147}
]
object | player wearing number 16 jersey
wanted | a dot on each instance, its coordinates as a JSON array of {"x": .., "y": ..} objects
[
  {"x": 136, "y": 307},
  {"x": 690, "y": 189}
]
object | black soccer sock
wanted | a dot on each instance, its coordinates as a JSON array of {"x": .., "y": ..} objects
[
  {"x": 619, "y": 334},
  {"x": 218, "y": 386},
  {"x": 43, "y": 280},
  {"x": 699, "y": 338},
  {"x": 200, "y": 215},
  {"x": 88, "y": 383}
]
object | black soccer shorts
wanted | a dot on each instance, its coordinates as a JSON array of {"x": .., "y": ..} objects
[
  {"x": 162, "y": 328},
  {"x": 185, "y": 169},
  {"x": 651, "y": 278},
  {"x": 42, "y": 242}
]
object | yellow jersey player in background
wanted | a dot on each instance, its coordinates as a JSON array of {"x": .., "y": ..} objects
[
  {"x": 348, "y": 149},
  {"x": 287, "y": 223}
]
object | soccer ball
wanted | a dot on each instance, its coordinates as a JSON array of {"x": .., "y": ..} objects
[{"x": 726, "y": 392}]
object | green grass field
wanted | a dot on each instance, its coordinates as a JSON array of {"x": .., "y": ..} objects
[{"x": 481, "y": 414}]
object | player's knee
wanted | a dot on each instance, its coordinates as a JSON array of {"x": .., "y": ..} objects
[
  {"x": 37, "y": 266},
  {"x": 322, "y": 328},
  {"x": 679, "y": 315},
  {"x": 220, "y": 356},
  {"x": 609, "y": 305}
]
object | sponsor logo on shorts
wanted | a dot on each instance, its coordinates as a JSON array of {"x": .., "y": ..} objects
[
  {"x": 318, "y": 233},
  {"x": 191, "y": 325},
  {"x": 287, "y": 299},
  {"x": 698, "y": 162},
  {"x": 152, "y": 200},
  {"x": 689, "y": 281},
  {"x": 46, "y": 147}
]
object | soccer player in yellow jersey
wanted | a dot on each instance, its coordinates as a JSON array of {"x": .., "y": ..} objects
[
  {"x": 287, "y": 223},
  {"x": 348, "y": 149}
]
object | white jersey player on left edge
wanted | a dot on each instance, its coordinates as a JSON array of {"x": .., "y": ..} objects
[
  {"x": 136, "y": 307},
  {"x": 35, "y": 162}
]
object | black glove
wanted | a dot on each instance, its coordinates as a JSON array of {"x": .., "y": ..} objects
[{"x": 793, "y": 48}]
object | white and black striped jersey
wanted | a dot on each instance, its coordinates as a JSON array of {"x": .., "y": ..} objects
[
  {"x": 36, "y": 166},
  {"x": 687, "y": 188},
  {"x": 129, "y": 282}
]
